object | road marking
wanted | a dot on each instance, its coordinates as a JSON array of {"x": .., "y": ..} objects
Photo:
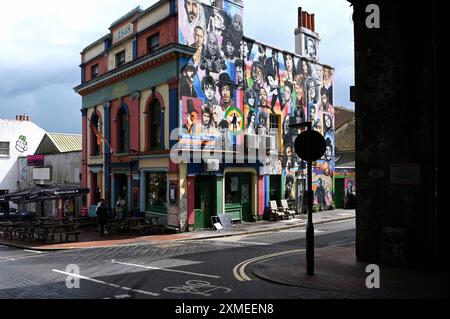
[
  {"x": 239, "y": 270},
  {"x": 165, "y": 269},
  {"x": 105, "y": 283},
  {"x": 33, "y": 251},
  {"x": 7, "y": 258}
]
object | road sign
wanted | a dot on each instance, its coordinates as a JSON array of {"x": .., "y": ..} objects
[{"x": 310, "y": 146}]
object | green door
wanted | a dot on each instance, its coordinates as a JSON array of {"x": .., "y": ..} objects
[
  {"x": 339, "y": 192},
  {"x": 204, "y": 202}
]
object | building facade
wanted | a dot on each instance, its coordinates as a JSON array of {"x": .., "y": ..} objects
[
  {"x": 57, "y": 160},
  {"x": 186, "y": 118},
  {"x": 18, "y": 138}
]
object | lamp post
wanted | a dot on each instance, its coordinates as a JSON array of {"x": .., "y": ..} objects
[{"x": 309, "y": 146}]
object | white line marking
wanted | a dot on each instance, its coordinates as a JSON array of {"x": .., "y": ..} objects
[
  {"x": 165, "y": 269},
  {"x": 104, "y": 283},
  {"x": 33, "y": 251}
]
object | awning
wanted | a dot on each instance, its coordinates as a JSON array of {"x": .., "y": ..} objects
[{"x": 47, "y": 192}]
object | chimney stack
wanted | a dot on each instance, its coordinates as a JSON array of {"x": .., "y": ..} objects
[
  {"x": 23, "y": 117},
  {"x": 305, "y": 35}
]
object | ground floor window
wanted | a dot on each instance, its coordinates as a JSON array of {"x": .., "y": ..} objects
[
  {"x": 156, "y": 192},
  {"x": 232, "y": 189}
]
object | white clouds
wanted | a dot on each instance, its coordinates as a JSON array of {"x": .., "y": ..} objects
[{"x": 44, "y": 38}]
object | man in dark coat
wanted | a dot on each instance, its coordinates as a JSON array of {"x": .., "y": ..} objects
[{"x": 102, "y": 217}]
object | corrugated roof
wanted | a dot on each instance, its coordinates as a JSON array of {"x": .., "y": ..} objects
[{"x": 67, "y": 142}]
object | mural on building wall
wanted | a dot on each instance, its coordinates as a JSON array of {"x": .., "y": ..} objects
[
  {"x": 22, "y": 144},
  {"x": 210, "y": 81},
  {"x": 234, "y": 86},
  {"x": 290, "y": 90}
]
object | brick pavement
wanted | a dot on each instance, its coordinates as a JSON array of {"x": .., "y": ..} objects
[{"x": 92, "y": 240}]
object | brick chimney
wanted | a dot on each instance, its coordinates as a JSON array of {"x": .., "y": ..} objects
[
  {"x": 23, "y": 117},
  {"x": 305, "y": 34}
]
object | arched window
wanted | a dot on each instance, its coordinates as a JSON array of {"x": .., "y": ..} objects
[
  {"x": 122, "y": 131},
  {"x": 154, "y": 124},
  {"x": 96, "y": 134}
]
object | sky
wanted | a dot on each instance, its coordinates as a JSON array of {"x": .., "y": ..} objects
[{"x": 42, "y": 40}]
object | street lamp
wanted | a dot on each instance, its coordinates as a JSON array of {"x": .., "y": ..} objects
[{"x": 309, "y": 146}]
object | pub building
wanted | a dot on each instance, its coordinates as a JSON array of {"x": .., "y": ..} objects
[{"x": 180, "y": 77}]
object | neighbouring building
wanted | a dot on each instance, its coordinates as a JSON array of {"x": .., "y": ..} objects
[
  {"x": 345, "y": 172},
  {"x": 399, "y": 101},
  {"x": 18, "y": 138},
  {"x": 184, "y": 117},
  {"x": 57, "y": 160}
]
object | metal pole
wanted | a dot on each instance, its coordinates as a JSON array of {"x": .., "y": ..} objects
[{"x": 310, "y": 224}]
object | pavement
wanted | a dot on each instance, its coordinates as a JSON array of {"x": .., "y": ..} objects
[
  {"x": 92, "y": 240},
  {"x": 337, "y": 270}
]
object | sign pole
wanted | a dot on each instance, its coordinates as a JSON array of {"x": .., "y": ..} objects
[
  {"x": 310, "y": 224},
  {"x": 309, "y": 146}
]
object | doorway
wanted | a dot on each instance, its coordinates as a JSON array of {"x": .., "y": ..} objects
[
  {"x": 238, "y": 196},
  {"x": 205, "y": 201}
]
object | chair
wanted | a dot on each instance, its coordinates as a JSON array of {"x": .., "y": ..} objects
[
  {"x": 285, "y": 207},
  {"x": 275, "y": 213}
]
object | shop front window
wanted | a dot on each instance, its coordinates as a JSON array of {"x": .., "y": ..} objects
[
  {"x": 232, "y": 190},
  {"x": 156, "y": 194}
]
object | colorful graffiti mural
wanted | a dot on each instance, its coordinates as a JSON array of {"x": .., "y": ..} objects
[
  {"x": 214, "y": 75},
  {"x": 235, "y": 86}
]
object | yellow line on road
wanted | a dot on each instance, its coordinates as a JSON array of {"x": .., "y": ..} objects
[{"x": 239, "y": 270}]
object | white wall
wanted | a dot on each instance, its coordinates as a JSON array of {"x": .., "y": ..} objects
[{"x": 10, "y": 131}]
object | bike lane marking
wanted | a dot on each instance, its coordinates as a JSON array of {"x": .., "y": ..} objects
[
  {"x": 165, "y": 269},
  {"x": 105, "y": 283}
]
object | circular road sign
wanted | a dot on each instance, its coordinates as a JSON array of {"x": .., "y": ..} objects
[{"x": 310, "y": 146}]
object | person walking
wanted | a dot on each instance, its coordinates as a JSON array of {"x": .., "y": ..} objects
[{"x": 102, "y": 217}]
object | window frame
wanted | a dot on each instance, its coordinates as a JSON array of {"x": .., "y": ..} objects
[
  {"x": 119, "y": 61},
  {"x": 7, "y": 148},
  {"x": 154, "y": 117},
  {"x": 95, "y": 75},
  {"x": 150, "y": 47},
  {"x": 123, "y": 120}
]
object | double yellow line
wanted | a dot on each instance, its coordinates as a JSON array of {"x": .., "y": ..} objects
[{"x": 239, "y": 270}]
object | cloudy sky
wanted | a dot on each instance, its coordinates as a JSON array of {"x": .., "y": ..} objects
[{"x": 42, "y": 40}]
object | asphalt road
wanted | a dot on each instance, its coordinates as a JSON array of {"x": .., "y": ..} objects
[{"x": 188, "y": 270}]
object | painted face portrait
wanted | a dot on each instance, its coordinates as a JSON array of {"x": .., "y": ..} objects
[
  {"x": 258, "y": 75},
  {"x": 212, "y": 43},
  {"x": 251, "y": 100},
  {"x": 217, "y": 114},
  {"x": 226, "y": 94},
  {"x": 287, "y": 93},
  {"x": 240, "y": 74},
  {"x": 237, "y": 23},
  {"x": 311, "y": 48},
  {"x": 312, "y": 91},
  {"x": 199, "y": 37},
  {"x": 209, "y": 92},
  {"x": 305, "y": 68},
  {"x": 206, "y": 118},
  {"x": 328, "y": 122},
  {"x": 192, "y": 9},
  {"x": 262, "y": 97},
  {"x": 230, "y": 49},
  {"x": 289, "y": 63}
]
